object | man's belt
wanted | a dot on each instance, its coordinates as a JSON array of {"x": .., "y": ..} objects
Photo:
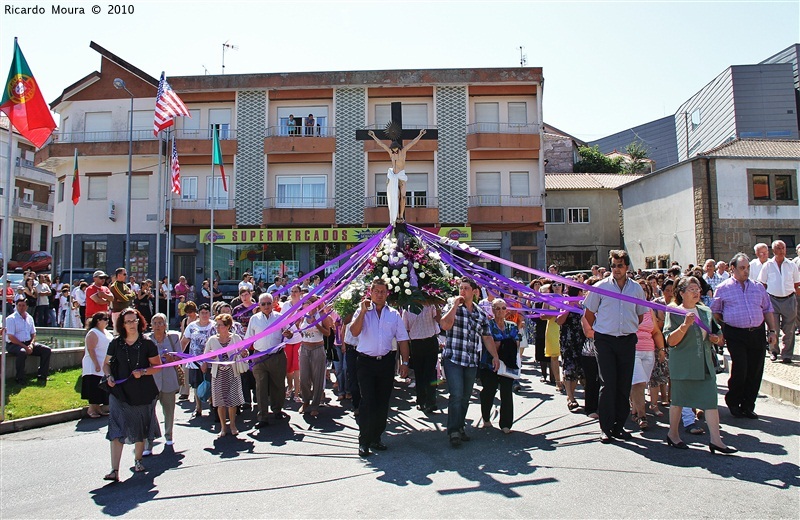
[
  {"x": 747, "y": 329},
  {"x": 374, "y": 358},
  {"x": 781, "y": 297}
]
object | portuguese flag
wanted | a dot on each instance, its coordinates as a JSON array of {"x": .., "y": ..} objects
[
  {"x": 24, "y": 104},
  {"x": 217, "y": 157}
]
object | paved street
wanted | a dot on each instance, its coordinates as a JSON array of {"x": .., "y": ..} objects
[{"x": 551, "y": 466}]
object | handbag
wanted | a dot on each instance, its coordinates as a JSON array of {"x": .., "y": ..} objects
[
  {"x": 204, "y": 391},
  {"x": 511, "y": 373}
]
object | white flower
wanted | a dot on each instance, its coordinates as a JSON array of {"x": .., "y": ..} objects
[
  {"x": 400, "y": 254},
  {"x": 405, "y": 262},
  {"x": 422, "y": 275},
  {"x": 385, "y": 269},
  {"x": 389, "y": 286},
  {"x": 395, "y": 272},
  {"x": 408, "y": 292},
  {"x": 407, "y": 284},
  {"x": 348, "y": 294},
  {"x": 397, "y": 289},
  {"x": 385, "y": 258},
  {"x": 395, "y": 280},
  {"x": 434, "y": 255},
  {"x": 403, "y": 276},
  {"x": 385, "y": 277},
  {"x": 416, "y": 265}
]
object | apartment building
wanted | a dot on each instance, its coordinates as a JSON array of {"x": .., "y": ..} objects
[{"x": 298, "y": 195}]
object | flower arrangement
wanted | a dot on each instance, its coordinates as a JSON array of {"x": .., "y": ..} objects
[{"x": 413, "y": 274}]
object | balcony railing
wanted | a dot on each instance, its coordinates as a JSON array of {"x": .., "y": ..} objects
[
  {"x": 300, "y": 131},
  {"x": 30, "y": 209},
  {"x": 218, "y": 203},
  {"x": 406, "y": 126},
  {"x": 412, "y": 201},
  {"x": 138, "y": 135},
  {"x": 503, "y": 128},
  {"x": 503, "y": 200},
  {"x": 299, "y": 203}
]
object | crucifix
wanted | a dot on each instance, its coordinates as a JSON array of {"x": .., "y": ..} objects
[{"x": 396, "y": 176}]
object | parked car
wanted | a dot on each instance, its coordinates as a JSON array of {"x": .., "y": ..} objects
[
  {"x": 587, "y": 272},
  {"x": 14, "y": 279},
  {"x": 78, "y": 273},
  {"x": 229, "y": 289},
  {"x": 37, "y": 261}
]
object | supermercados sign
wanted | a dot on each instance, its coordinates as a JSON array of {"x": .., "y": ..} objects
[{"x": 323, "y": 235}]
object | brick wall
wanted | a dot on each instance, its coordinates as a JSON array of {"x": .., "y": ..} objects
[{"x": 557, "y": 151}]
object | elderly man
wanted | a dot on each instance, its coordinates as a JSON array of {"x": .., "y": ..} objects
[
  {"x": 269, "y": 370},
  {"x": 615, "y": 323},
  {"x": 762, "y": 255},
  {"x": 722, "y": 270},
  {"x": 742, "y": 306},
  {"x": 710, "y": 274},
  {"x": 782, "y": 279},
  {"x": 376, "y": 325},
  {"x": 21, "y": 341}
]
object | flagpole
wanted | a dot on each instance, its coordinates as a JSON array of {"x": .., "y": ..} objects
[
  {"x": 168, "y": 252},
  {"x": 5, "y": 236},
  {"x": 158, "y": 223},
  {"x": 214, "y": 129},
  {"x": 71, "y": 246}
]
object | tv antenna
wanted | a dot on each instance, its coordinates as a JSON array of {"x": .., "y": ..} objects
[
  {"x": 226, "y": 46},
  {"x": 523, "y": 58},
  {"x": 205, "y": 70}
]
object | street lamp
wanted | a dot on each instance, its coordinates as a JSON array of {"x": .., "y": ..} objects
[{"x": 120, "y": 85}]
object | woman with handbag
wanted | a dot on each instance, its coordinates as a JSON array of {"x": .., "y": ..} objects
[
  {"x": 130, "y": 363},
  {"x": 226, "y": 383},
  {"x": 97, "y": 341},
  {"x": 694, "y": 380},
  {"x": 506, "y": 337},
  {"x": 168, "y": 380}
]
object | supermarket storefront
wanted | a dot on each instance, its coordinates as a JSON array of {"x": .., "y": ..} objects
[{"x": 268, "y": 253}]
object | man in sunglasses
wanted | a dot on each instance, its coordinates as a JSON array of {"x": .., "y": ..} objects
[{"x": 615, "y": 323}]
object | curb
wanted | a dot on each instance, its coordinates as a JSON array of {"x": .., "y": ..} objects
[
  {"x": 785, "y": 392},
  {"x": 38, "y": 421}
]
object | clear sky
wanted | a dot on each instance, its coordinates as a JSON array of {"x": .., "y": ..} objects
[{"x": 607, "y": 65}]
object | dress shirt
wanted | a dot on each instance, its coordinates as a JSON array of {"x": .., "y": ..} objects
[
  {"x": 780, "y": 281},
  {"x": 741, "y": 307},
  {"x": 258, "y": 324},
  {"x": 713, "y": 280},
  {"x": 21, "y": 328},
  {"x": 422, "y": 325},
  {"x": 612, "y": 316},
  {"x": 377, "y": 333},
  {"x": 755, "y": 268},
  {"x": 349, "y": 339}
]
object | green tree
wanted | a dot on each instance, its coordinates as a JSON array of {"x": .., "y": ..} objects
[
  {"x": 592, "y": 160},
  {"x": 638, "y": 158}
]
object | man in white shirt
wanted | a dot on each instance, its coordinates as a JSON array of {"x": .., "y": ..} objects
[
  {"x": 21, "y": 341},
  {"x": 423, "y": 331},
  {"x": 376, "y": 325},
  {"x": 722, "y": 270},
  {"x": 782, "y": 279},
  {"x": 762, "y": 255},
  {"x": 269, "y": 371},
  {"x": 44, "y": 291},
  {"x": 247, "y": 282}
]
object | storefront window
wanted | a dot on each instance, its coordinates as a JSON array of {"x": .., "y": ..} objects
[{"x": 266, "y": 261}]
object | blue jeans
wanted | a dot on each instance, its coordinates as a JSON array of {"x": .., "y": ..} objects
[{"x": 460, "y": 381}]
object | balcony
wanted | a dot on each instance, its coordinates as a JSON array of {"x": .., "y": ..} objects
[
  {"x": 420, "y": 210},
  {"x": 299, "y": 211},
  {"x": 197, "y": 212},
  {"x": 505, "y": 210},
  {"x": 503, "y": 136},
  {"x": 21, "y": 208},
  {"x": 27, "y": 171},
  {"x": 318, "y": 139}
]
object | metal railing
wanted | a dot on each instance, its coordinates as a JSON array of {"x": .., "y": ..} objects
[
  {"x": 218, "y": 203},
  {"x": 299, "y": 202},
  {"x": 503, "y": 128},
  {"x": 138, "y": 135},
  {"x": 503, "y": 200},
  {"x": 300, "y": 131},
  {"x": 412, "y": 201},
  {"x": 406, "y": 126}
]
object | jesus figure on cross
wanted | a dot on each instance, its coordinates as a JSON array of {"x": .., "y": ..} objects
[{"x": 396, "y": 176}]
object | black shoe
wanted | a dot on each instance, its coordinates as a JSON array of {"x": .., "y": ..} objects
[
  {"x": 749, "y": 415},
  {"x": 21, "y": 382},
  {"x": 606, "y": 438},
  {"x": 246, "y": 407},
  {"x": 363, "y": 451},
  {"x": 773, "y": 357},
  {"x": 261, "y": 424},
  {"x": 455, "y": 440},
  {"x": 680, "y": 445},
  {"x": 279, "y": 416},
  {"x": 622, "y": 435},
  {"x": 379, "y": 446},
  {"x": 786, "y": 361},
  {"x": 736, "y": 411},
  {"x": 464, "y": 436},
  {"x": 727, "y": 450}
]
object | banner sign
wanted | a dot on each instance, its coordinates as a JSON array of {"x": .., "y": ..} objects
[{"x": 319, "y": 235}]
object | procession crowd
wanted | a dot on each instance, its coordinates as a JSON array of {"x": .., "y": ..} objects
[{"x": 632, "y": 361}]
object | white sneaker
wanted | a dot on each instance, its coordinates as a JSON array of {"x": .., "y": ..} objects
[
  {"x": 146, "y": 453},
  {"x": 169, "y": 443}
]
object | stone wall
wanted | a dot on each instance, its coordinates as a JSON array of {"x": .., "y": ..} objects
[{"x": 558, "y": 154}]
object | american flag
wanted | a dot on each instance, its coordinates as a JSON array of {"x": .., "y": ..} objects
[
  {"x": 168, "y": 106},
  {"x": 176, "y": 170}
]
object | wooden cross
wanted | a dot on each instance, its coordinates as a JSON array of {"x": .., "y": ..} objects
[{"x": 394, "y": 130}]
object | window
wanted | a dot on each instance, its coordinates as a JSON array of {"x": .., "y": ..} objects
[
  {"x": 416, "y": 190},
  {"x": 21, "y": 240},
  {"x": 772, "y": 187},
  {"x": 27, "y": 196},
  {"x": 191, "y": 125},
  {"x": 696, "y": 120},
  {"x": 554, "y": 215},
  {"x": 487, "y": 187},
  {"x": 523, "y": 239},
  {"x": 415, "y": 115},
  {"x": 61, "y": 191},
  {"x": 779, "y": 134},
  {"x": 788, "y": 240},
  {"x": 306, "y": 191},
  {"x": 763, "y": 239},
  {"x": 98, "y": 187},
  {"x": 98, "y": 126},
  {"x": 94, "y": 254},
  {"x": 578, "y": 215},
  {"x": 140, "y": 187},
  {"x": 572, "y": 260},
  {"x": 44, "y": 238},
  {"x": 300, "y": 114},
  {"x": 487, "y": 117},
  {"x": 520, "y": 184},
  {"x": 140, "y": 256},
  {"x": 142, "y": 124},
  {"x": 217, "y": 195},
  {"x": 188, "y": 188},
  {"x": 518, "y": 114},
  {"x": 220, "y": 117}
]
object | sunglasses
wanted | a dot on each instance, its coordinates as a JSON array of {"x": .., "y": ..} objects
[
  {"x": 499, "y": 308},
  {"x": 130, "y": 322},
  {"x": 265, "y": 304}
]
